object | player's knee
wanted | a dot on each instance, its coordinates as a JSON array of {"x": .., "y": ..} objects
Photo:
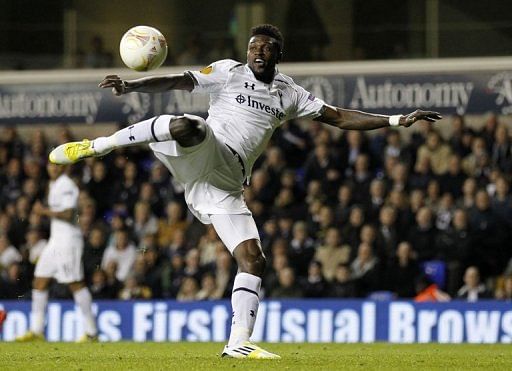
[
  {"x": 250, "y": 258},
  {"x": 187, "y": 131}
]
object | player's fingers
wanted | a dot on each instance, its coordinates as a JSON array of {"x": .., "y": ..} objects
[
  {"x": 433, "y": 114},
  {"x": 116, "y": 91}
]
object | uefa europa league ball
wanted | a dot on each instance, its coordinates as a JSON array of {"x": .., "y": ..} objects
[{"x": 143, "y": 48}]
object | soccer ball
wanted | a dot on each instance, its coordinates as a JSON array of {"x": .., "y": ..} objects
[{"x": 143, "y": 48}]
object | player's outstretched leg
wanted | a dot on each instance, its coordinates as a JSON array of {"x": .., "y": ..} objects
[{"x": 186, "y": 130}]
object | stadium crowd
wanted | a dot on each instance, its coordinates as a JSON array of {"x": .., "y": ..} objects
[{"x": 345, "y": 216}]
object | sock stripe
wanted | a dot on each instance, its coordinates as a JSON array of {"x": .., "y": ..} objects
[
  {"x": 245, "y": 289},
  {"x": 153, "y": 128}
]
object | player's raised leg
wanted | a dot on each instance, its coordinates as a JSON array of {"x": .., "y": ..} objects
[
  {"x": 240, "y": 235},
  {"x": 39, "y": 304},
  {"x": 187, "y": 130}
]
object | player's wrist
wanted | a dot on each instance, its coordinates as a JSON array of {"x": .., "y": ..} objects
[{"x": 394, "y": 120}]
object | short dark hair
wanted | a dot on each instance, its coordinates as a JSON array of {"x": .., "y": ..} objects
[{"x": 269, "y": 30}]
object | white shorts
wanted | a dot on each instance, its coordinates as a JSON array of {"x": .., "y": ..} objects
[
  {"x": 210, "y": 173},
  {"x": 234, "y": 229},
  {"x": 62, "y": 259}
]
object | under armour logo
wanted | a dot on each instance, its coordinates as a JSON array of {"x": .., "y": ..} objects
[
  {"x": 251, "y": 313},
  {"x": 131, "y": 137},
  {"x": 240, "y": 98},
  {"x": 247, "y": 85}
]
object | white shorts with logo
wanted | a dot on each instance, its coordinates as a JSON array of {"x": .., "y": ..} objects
[
  {"x": 62, "y": 259},
  {"x": 213, "y": 180}
]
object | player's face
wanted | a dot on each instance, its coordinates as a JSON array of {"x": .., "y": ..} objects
[
  {"x": 262, "y": 56},
  {"x": 54, "y": 171}
]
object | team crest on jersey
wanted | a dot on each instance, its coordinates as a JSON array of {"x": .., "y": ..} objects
[{"x": 206, "y": 70}]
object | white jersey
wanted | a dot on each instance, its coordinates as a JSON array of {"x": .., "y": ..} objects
[
  {"x": 63, "y": 195},
  {"x": 244, "y": 112}
]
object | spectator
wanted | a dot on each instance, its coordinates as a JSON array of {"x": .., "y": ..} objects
[
  {"x": 455, "y": 246},
  {"x": 352, "y": 230},
  {"x": 123, "y": 254},
  {"x": 287, "y": 286},
  {"x": 99, "y": 187},
  {"x": 453, "y": 180},
  {"x": 331, "y": 253},
  {"x": 323, "y": 166},
  {"x": 173, "y": 221},
  {"x": 99, "y": 287},
  {"x": 423, "y": 235},
  {"x": 34, "y": 245},
  {"x": 8, "y": 253},
  {"x": 436, "y": 151},
  {"x": 93, "y": 252},
  {"x": 343, "y": 286},
  {"x": 188, "y": 290},
  {"x": 365, "y": 270},
  {"x": 145, "y": 222},
  {"x": 387, "y": 232},
  {"x": 315, "y": 285},
  {"x": 12, "y": 283},
  {"x": 403, "y": 271},
  {"x": 344, "y": 205},
  {"x": 502, "y": 201},
  {"x": 134, "y": 290},
  {"x": 209, "y": 245},
  {"x": 301, "y": 250},
  {"x": 224, "y": 274},
  {"x": 271, "y": 279},
  {"x": 504, "y": 291},
  {"x": 473, "y": 289},
  {"x": 376, "y": 199},
  {"x": 488, "y": 235},
  {"x": 208, "y": 289},
  {"x": 501, "y": 149}
]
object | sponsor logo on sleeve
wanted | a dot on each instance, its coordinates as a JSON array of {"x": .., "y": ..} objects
[{"x": 206, "y": 70}]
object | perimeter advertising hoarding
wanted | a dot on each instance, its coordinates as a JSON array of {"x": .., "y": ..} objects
[
  {"x": 278, "y": 321},
  {"x": 475, "y": 93}
]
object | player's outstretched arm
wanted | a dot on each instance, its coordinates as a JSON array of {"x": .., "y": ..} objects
[
  {"x": 358, "y": 120},
  {"x": 150, "y": 84},
  {"x": 66, "y": 215}
]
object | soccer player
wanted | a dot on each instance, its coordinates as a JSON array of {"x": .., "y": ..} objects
[
  {"x": 62, "y": 256},
  {"x": 213, "y": 158}
]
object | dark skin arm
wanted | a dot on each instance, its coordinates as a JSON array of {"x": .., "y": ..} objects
[
  {"x": 150, "y": 84},
  {"x": 357, "y": 120},
  {"x": 66, "y": 215}
]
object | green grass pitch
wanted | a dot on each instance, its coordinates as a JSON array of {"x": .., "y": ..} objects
[{"x": 205, "y": 356}]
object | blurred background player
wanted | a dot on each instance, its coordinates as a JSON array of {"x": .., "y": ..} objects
[
  {"x": 62, "y": 256},
  {"x": 213, "y": 159}
]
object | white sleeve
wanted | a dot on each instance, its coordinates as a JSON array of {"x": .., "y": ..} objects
[
  {"x": 212, "y": 78},
  {"x": 306, "y": 104}
]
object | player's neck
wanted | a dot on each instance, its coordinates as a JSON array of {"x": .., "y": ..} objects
[{"x": 265, "y": 77}]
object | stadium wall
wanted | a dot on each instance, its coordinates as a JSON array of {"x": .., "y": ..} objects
[{"x": 278, "y": 321}]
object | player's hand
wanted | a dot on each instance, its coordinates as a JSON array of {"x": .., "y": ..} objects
[
  {"x": 38, "y": 208},
  {"x": 419, "y": 115},
  {"x": 113, "y": 81}
]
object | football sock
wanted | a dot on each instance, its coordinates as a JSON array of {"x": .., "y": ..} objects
[
  {"x": 83, "y": 299},
  {"x": 39, "y": 302},
  {"x": 155, "y": 129},
  {"x": 245, "y": 301}
]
